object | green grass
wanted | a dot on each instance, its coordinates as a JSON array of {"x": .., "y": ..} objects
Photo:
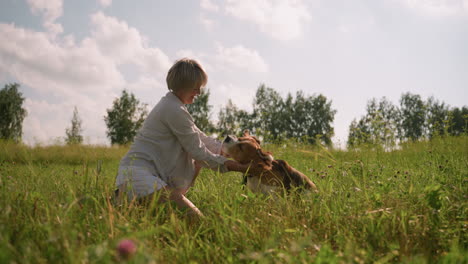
[{"x": 404, "y": 206}]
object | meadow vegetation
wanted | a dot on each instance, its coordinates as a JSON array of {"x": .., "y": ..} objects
[{"x": 404, "y": 206}]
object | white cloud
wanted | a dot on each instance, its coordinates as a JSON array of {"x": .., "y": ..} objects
[
  {"x": 105, "y": 3},
  {"x": 188, "y": 54},
  {"x": 53, "y": 66},
  {"x": 126, "y": 45},
  {"x": 238, "y": 95},
  {"x": 206, "y": 60},
  {"x": 206, "y": 22},
  {"x": 228, "y": 59},
  {"x": 208, "y": 5},
  {"x": 38, "y": 111},
  {"x": 85, "y": 74},
  {"x": 223, "y": 67},
  {"x": 438, "y": 7},
  {"x": 50, "y": 11},
  {"x": 240, "y": 57},
  {"x": 281, "y": 19},
  {"x": 46, "y": 122},
  {"x": 148, "y": 83}
]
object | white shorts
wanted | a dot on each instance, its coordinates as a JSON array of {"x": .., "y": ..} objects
[{"x": 138, "y": 182}]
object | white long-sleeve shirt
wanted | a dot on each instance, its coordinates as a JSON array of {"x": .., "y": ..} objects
[{"x": 169, "y": 142}]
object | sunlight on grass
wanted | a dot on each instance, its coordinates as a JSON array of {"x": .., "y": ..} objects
[{"x": 407, "y": 206}]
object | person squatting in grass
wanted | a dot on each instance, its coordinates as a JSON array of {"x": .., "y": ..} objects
[{"x": 169, "y": 149}]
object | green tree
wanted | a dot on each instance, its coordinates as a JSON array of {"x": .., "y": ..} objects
[
  {"x": 232, "y": 120},
  {"x": 244, "y": 121},
  {"x": 320, "y": 116},
  {"x": 291, "y": 116},
  {"x": 412, "y": 117},
  {"x": 12, "y": 112},
  {"x": 379, "y": 126},
  {"x": 359, "y": 133},
  {"x": 268, "y": 110},
  {"x": 124, "y": 118},
  {"x": 227, "y": 119},
  {"x": 74, "y": 133},
  {"x": 437, "y": 117},
  {"x": 200, "y": 111},
  {"x": 308, "y": 117},
  {"x": 458, "y": 123}
]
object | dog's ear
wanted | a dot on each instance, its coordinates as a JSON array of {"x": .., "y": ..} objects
[
  {"x": 247, "y": 134},
  {"x": 264, "y": 164},
  {"x": 256, "y": 139},
  {"x": 265, "y": 156}
]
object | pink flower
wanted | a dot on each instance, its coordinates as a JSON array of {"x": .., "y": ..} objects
[{"x": 126, "y": 248}]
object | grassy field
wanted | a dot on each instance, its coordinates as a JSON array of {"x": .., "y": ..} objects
[{"x": 408, "y": 206}]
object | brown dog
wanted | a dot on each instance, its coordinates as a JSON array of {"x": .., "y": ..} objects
[{"x": 266, "y": 175}]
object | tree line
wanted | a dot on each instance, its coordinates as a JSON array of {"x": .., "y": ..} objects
[
  {"x": 273, "y": 117},
  {"x": 300, "y": 116},
  {"x": 387, "y": 125}
]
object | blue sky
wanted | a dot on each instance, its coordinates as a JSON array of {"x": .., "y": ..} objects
[{"x": 83, "y": 53}]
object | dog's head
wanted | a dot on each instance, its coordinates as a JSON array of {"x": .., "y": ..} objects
[
  {"x": 246, "y": 149},
  {"x": 247, "y": 137}
]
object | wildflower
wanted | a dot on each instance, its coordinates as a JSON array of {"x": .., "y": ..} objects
[{"x": 126, "y": 248}]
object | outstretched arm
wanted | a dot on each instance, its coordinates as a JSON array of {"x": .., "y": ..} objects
[{"x": 232, "y": 165}]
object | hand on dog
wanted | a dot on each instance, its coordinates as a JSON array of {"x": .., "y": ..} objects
[
  {"x": 225, "y": 154},
  {"x": 233, "y": 165}
]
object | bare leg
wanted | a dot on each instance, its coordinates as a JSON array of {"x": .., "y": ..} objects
[
  {"x": 178, "y": 197},
  {"x": 175, "y": 195}
]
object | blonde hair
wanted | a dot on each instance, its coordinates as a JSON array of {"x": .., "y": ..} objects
[{"x": 186, "y": 74}]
